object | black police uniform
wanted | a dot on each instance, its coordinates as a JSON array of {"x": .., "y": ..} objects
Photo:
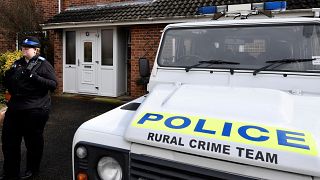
[{"x": 28, "y": 111}]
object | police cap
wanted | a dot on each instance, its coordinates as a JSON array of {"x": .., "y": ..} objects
[{"x": 31, "y": 41}]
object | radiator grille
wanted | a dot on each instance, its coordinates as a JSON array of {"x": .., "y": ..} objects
[{"x": 150, "y": 168}]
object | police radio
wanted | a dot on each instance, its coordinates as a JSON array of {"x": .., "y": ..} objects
[
  {"x": 31, "y": 65},
  {"x": 34, "y": 65}
]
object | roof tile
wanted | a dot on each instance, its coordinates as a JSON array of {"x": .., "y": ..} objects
[{"x": 154, "y": 9}]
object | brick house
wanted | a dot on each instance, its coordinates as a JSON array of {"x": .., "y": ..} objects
[{"x": 97, "y": 43}]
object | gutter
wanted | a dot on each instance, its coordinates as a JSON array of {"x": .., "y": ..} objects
[{"x": 105, "y": 23}]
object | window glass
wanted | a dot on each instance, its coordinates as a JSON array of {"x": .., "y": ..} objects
[
  {"x": 70, "y": 47},
  {"x": 251, "y": 47},
  {"x": 107, "y": 47},
  {"x": 87, "y": 51}
]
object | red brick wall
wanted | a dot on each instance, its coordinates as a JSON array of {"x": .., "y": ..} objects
[
  {"x": 7, "y": 42},
  {"x": 58, "y": 62},
  {"x": 49, "y": 8},
  {"x": 145, "y": 40}
]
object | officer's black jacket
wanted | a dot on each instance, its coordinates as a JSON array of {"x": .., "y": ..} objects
[{"x": 30, "y": 88}]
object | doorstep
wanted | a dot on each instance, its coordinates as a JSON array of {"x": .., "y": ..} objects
[{"x": 118, "y": 100}]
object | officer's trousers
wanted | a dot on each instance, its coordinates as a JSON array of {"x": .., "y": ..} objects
[{"x": 28, "y": 124}]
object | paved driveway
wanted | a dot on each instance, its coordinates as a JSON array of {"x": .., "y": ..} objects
[{"x": 67, "y": 114}]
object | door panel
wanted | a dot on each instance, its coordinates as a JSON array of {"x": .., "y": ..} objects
[
  {"x": 88, "y": 62},
  {"x": 107, "y": 85},
  {"x": 70, "y": 67},
  {"x": 108, "y": 66},
  {"x": 70, "y": 79}
]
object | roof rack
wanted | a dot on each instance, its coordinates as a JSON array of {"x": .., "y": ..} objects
[
  {"x": 316, "y": 12},
  {"x": 244, "y": 10}
]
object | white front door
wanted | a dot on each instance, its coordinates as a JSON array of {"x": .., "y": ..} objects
[
  {"x": 95, "y": 61},
  {"x": 88, "y": 62}
]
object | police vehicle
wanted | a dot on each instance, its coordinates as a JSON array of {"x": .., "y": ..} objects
[{"x": 237, "y": 97}]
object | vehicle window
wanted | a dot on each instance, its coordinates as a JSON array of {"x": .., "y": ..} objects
[{"x": 249, "y": 46}]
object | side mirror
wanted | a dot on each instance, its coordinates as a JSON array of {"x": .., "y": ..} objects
[{"x": 144, "y": 68}]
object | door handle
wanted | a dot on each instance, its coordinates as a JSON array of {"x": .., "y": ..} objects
[
  {"x": 78, "y": 62},
  {"x": 97, "y": 62}
]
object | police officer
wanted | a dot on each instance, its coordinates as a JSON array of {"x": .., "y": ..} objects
[{"x": 28, "y": 81}]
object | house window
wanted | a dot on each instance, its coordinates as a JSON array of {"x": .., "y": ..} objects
[
  {"x": 107, "y": 47},
  {"x": 87, "y": 51},
  {"x": 71, "y": 47}
]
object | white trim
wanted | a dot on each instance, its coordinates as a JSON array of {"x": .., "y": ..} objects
[
  {"x": 63, "y": 59},
  {"x": 85, "y": 24}
]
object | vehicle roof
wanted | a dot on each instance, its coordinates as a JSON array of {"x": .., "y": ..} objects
[{"x": 245, "y": 22}]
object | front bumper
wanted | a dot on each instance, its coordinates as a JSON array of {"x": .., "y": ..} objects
[{"x": 143, "y": 167}]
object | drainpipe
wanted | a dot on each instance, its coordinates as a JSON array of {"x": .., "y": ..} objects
[
  {"x": 17, "y": 41},
  {"x": 59, "y": 6}
]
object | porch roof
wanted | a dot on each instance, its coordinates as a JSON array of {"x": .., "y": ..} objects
[{"x": 150, "y": 10}]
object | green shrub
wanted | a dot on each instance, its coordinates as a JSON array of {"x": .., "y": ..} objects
[{"x": 6, "y": 60}]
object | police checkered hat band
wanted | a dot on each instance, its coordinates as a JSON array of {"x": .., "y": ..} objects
[{"x": 31, "y": 42}]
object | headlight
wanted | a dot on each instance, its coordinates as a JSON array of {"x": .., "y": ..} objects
[
  {"x": 109, "y": 169},
  {"x": 81, "y": 152}
]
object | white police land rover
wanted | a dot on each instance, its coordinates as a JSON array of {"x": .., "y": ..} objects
[{"x": 229, "y": 99}]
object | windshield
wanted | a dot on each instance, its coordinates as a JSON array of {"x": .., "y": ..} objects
[{"x": 247, "y": 45}]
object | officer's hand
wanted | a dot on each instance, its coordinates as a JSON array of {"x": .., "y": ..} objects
[
  {"x": 30, "y": 74},
  {"x": 34, "y": 76}
]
